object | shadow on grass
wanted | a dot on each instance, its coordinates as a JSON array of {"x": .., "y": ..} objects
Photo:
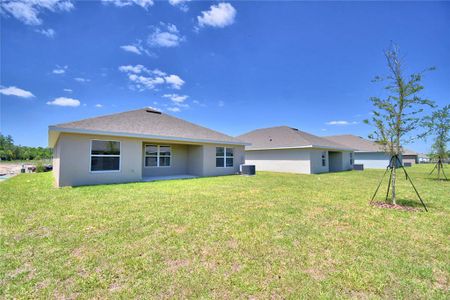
[
  {"x": 412, "y": 203},
  {"x": 438, "y": 179}
]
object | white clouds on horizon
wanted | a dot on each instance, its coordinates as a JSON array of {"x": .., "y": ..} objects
[
  {"x": 64, "y": 101},
  {"x": 28, "y": 11},
  {"x": 174, "y": 109},
  {"x": 152, "y": 78},
  {"x": 131, "y": 48},
  {"x": 341, "y": 123},
  {"x": 68, "y": 90},
  {"x": 15, "y": 91},
  {"x": 219, "y": 16},
  {"x": 98, "y": 105},
  {"x": 165, "y": 35}
]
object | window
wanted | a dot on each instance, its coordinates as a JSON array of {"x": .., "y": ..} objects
[
  {"x": 224, "y": 157},
  {"x": 351, "y": 158},
  {"x": 105, "y": 156},
  {"x": 157, "y": 156},
  {"x": 324, "y": 159}
]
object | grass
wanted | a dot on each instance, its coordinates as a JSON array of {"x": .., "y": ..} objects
[{"x": 268, "y": 236}]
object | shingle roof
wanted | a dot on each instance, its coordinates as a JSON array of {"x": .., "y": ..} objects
[
  {"x": 361, "y": 144},
  {"x": 146, "y": 123},
  {"x": 286, "y": 137}
]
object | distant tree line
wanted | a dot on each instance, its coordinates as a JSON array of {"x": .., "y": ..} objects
[{"x": 9, "y": 151}]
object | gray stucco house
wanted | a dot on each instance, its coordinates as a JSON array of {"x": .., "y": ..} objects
[
  {"x": 369, "y": 153},
  {"x": 139, "y": 145},
  {"x": 286, "y": 149}
]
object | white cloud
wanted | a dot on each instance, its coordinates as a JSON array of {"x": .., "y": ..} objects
[
  {"x": 143, "y": 78},
  {"x": 221, "y": 103},
  {"x": 81, "y": 79},
  {"x": 98, "y": 105},
  {"x": 137, "y": 69},
  {"x": 181, "y": 4},
  {"x": 15, "y": 91},
  {"x": 121, "y": 3},
  {"x": 28, "y": 11},
  {"x": 174, "y": 109},
  {"x": 60, "y": 70},
  {"x": 63, "y": 101},
  {"x": 131, "y": 48},
  {"x": 68, "y": 90},
  {"x": 50, "y": 33},
  {"x": 341, "y": 123},
  {"x": 219, "y": 15},
  {"x": 167, "y": 35},
  {"x": 176, "y": 98},
  {"x": 175, "y": 81}
]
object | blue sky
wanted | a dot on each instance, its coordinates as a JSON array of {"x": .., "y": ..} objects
[{"x": 230, "y": 66}]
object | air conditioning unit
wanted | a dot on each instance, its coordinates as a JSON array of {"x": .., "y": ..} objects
[{"x": 247, "y": 169}]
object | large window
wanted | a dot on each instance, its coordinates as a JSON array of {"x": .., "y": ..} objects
[
  {"x": 157, "y": 156},
  {"x": 224, "y": 157},
  {"x": 324, "y": 159},
  {"x": 105, "y": 156}
]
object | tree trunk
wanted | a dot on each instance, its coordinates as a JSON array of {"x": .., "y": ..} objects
[{"x": 394, "y": 168}]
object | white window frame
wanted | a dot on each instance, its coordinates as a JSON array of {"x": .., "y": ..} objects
[
  {"x": 158, "y": 155},
  {"x": 225, "y": 157},
  {"x": 323, "y": 157},
  {"x": 105, "y": 155}
]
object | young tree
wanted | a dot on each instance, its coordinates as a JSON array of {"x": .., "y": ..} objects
[
  {"x": 439, "y": 125},
  {"x": 398, "y": 116}
]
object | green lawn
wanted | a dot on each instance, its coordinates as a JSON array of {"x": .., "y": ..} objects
[{"x": 268, "y": 236}]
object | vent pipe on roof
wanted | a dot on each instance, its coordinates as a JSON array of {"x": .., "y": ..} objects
[{"x": 152, "y": 111}]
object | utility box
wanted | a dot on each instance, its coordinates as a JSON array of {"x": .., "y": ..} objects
[
  {"x": 247, "y": 169},
  {"x": 358, "y": 167}
]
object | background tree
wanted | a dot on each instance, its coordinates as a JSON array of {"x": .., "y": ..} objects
[
  {"x": 438, "y": 124},
  {"x": 398, "y": 116},
  {"x": 9, "y": 151}
]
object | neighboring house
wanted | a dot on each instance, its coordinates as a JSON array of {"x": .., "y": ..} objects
[
  {"x": 139, "y": 145},
  {"x": 286, "y": 149},
  {"x": 423, "y": 158},
  {"x": 369, "y": 153}
]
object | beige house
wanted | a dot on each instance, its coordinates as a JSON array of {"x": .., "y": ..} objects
[
  {"x": 139, "y": 145},
  {"x": 369, "y": 153},
  {"x": 286, "y": 149}
]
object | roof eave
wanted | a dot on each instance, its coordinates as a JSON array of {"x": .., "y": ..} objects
[
  {"x": 56, "y": 129},
  {"x": 302, "y": 147}
]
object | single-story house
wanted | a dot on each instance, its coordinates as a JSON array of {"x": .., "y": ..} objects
[
  {"x": 286, "y": 149},
  {"x": 139, "y": 145},
  {"x": 369, "y": 153}
]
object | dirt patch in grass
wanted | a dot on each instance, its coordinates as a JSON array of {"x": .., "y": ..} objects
[
  {"x": 174, "y": 265},
  {"x": 394, "y": 206}
]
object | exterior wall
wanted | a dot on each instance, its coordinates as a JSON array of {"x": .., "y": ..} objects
[
  {"x": 372, "y": 160},
  {"x": 209, "y": 160},
  {"x": 72, "y": 161},
  {"x": 56, "y": 162},
  {"x": 316, "y": 161},
  {"x": 282, "y": 160},
  {"x": 178, "y": 163},
  {"x": 74, "y": 168},
  {"x": 346, "y": 161},
  {"x": 336, "y": 161},
  {"x": 195, "y": 159}
]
